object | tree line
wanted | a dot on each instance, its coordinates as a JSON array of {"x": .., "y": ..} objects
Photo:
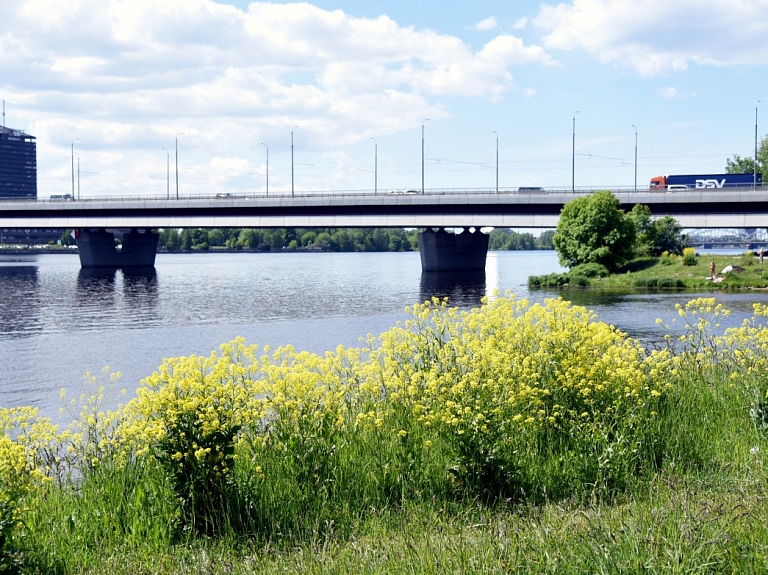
[
  {"x": 329, "y": 239},
  {"x": 322, "y": 239}
]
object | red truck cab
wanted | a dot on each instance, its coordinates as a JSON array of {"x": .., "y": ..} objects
[{"x": 659, "y": 183}]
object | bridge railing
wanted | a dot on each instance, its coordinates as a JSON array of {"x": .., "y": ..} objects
[{"x": 370, "y": 193}]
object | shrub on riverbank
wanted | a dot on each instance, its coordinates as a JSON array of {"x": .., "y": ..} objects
[{"x": 506, "y": 405}]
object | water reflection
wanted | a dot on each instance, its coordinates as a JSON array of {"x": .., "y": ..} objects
[
  {"x": 96, "y": 283},
  {"x": 140, "y": 295},
  {"x": 19, "y": 300},
  {"x": 140, "y": 283},
  {"x": 462, "y": 288}
]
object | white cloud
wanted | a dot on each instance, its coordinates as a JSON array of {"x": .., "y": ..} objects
[
  {"x": 488, "y": 24},
  {"x": 658, "y": 36},
  {"x": 135, "y": 73},
  {"x": 521, "y": 24},
  {"x": 671, "y": 93}
]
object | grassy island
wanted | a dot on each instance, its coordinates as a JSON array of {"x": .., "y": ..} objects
[
  {"x": 512, "y": 438},
  {"x": 688, "y": 271}
]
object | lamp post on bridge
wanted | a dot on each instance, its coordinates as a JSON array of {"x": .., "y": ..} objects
[
  {"x": 375, "y": 166},
  {"x": 754, "y": 182},
  {"x": 267, "y": 187},
  {"x": 73, "y": 165},
  {"x": 292, "y": 189},
  {"x": 422, "y": 154},
  {"x": 635, "y": 156},
  {"x": 497, "y": 162},
  {"x": 177, "y": 163},
  {"x": 167, "y": 174},
  {"x": 573, "y": 156}
]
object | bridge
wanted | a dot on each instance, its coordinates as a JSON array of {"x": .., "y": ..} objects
[{"x": 435, "y": 210}]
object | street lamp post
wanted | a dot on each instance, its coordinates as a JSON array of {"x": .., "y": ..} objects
[
  {"x": 375, "y": 166},
  {"x": 167, "y": 174},
  {"x": 422, "y": 154},
  {"x": 177, "y": 167},
  {"x": 635, "y": 156},
  {"x": 754, "y": 182},
  {"x": 267, "y": 182},
  {"x": 573, "y": 156},
  {"x": 73, "y": 166},
  {"x": 497, "y": 163},
  {"x": 292, "y": 189},
  {"x": 78, "y": 177}
]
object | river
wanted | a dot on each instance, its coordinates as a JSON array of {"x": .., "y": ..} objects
[{"x": 58, "y": 322}]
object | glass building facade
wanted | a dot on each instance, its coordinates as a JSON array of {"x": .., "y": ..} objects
[{"x": 18, "y": 164}]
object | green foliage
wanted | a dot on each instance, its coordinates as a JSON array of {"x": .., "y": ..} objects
[
  {"x": 503, "y": 434},
  {"x": 325, "y": 239},
  {"x": 552, "y": 280},
  {"x": 689, "y": 257},
  {"x": 590, "y": 270},
  {"x": 544, "y": 241},
  {"x": 656, "y": 236},
  {"x": 670, "y": 283},
  {"x": 646, "y": 283},
  {"x": 739, "y": 165},
  {"x": 505, "y": 239},
  {"x": 743, "y": 165},
  {"x": 593, "y": 229}
]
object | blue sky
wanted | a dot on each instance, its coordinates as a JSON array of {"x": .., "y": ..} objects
[{"x": 117, "y": 80}]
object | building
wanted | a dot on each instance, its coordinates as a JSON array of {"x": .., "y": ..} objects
[{"x": 18, "y": 164}]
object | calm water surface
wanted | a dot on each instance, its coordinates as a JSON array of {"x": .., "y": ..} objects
[{"x": 58, "y": 322}]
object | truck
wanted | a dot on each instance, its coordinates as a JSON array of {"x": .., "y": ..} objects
[{"x": 705, "y": 181}]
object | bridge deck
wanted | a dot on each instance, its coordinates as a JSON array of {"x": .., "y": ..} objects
[{"x": 694, "y": 208}]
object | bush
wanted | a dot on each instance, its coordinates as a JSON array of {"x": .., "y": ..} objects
[
  {"x": 590, "y": 270},
  {"x": 578, "y": 280},
  {"x": 647, "y": 283},
  {"x": 670, "y": 283},
  {"x": 549, "y": 280},
  {"x": 667, "y": 259},
  {"x": 689, "y": 257}
]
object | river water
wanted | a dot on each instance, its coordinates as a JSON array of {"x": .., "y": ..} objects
[{"x": 58, "y": 322}]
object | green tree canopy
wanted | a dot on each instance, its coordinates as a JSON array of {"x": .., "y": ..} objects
[
  {"x": 742, "y": 165},
  {"x": 594, "y": 229}
]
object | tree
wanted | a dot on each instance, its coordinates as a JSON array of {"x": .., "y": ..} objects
[
  {"x": 668, "y": 237},
  {"x": 593, "y": 229},
  {"x": 739, "y": 165},
  {"x": 742, "y": 165},
  {"x": 645, "y": 233},
  {"x": 544, "y": 241}
]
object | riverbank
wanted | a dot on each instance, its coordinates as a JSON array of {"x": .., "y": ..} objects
[
  {"x": 512, "y": 438},
  {"x": 731, "y": 272}
]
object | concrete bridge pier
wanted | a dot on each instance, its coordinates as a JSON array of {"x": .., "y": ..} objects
[
  {"x": 442, "y": 251},
  {"x": 98, "y": 250}
]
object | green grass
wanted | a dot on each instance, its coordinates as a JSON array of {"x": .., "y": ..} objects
[
  {"x": 670, "y": 273},
  {"x": 691, "y": 492}
]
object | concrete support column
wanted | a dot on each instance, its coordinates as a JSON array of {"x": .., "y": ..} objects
[
  {"x": 98, "y": 250},
  {"x": 443, "y": 251}
]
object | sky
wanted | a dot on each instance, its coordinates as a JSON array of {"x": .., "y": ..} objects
[{"x": 569, "y": 93}]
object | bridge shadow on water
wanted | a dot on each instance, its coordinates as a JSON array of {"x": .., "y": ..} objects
[
  {"x": 139, "y": 284},
  {"x": 462, "y": 288}
]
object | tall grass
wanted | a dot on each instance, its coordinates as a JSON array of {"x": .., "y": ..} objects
[{"x": 534, "y": 423}]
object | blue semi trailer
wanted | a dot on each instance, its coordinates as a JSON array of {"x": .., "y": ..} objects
[{"x": 705, "y": 181}]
